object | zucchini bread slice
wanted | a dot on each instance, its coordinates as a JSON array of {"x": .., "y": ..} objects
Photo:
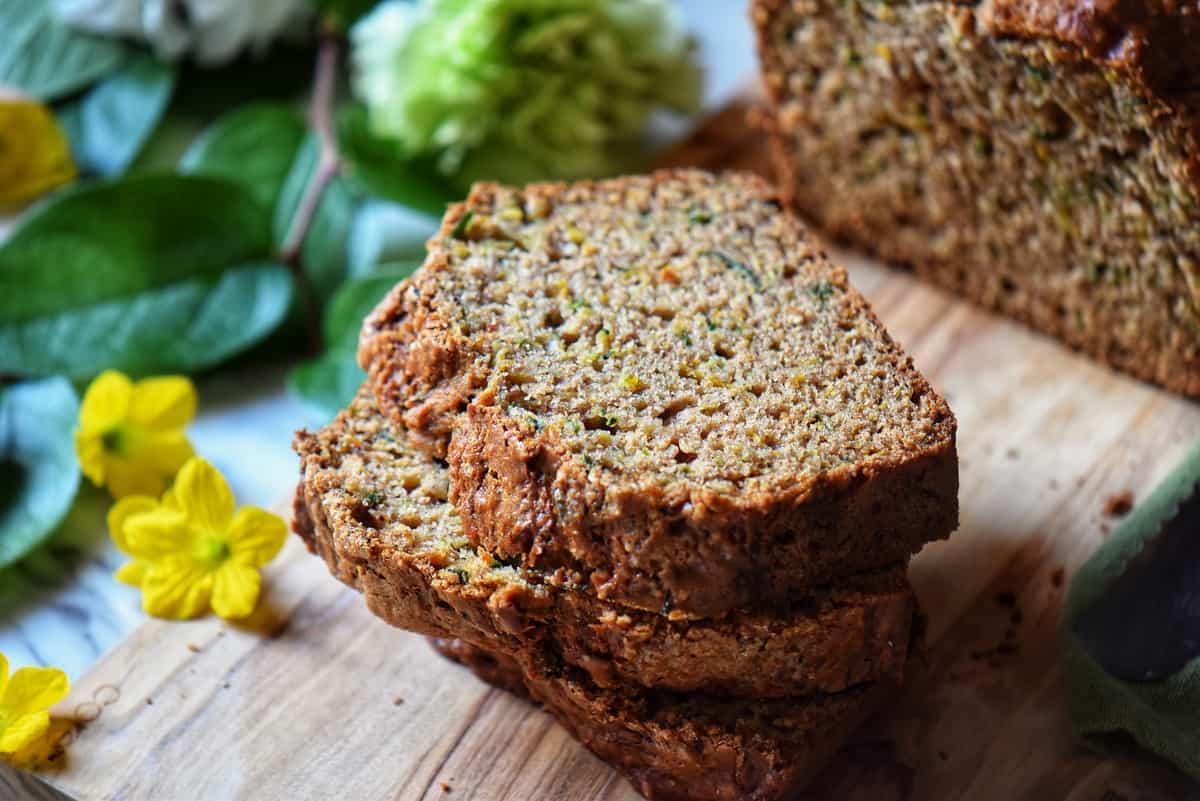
[
  {"x": 1041, "y": 158},
  {"x": 659, "y": 388},
  {"x": 375, "y": 509},
  {"x": 685, "y": 747}
]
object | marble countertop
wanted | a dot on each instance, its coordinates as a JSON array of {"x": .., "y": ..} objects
[{"x": 61, "y": 605}]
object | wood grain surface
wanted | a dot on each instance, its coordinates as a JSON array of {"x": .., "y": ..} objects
[{"x": 316, "y": 699}]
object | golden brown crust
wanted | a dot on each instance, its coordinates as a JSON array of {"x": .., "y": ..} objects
[
  {"x": 713, "y": 557},
  {"x": 1155, "y": 43},
  {"x": 687, "y": 748},
  {"x": 856, "y": 633},
  {"x": 654, "y": 546}
]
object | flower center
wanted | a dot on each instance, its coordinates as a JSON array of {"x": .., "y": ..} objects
[
  {"x": 114, "y": 441},
  {"x": 212, "y": 550}
]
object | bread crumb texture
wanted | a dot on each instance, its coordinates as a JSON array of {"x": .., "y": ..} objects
[
  {"x": 376, "y": 510},
  {"x": 673, "y": 330},
  {"x": 1040, "y": 158}
]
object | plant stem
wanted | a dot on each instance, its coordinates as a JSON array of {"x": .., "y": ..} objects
[{"x": 328, "y": 164}]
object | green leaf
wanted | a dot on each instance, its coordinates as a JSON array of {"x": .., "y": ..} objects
[
  {"x": 136, "y": 274},
  {"x": 39, "y": 474},
  {"x": 185, "y": 326},
  {"x": 205, "y": 94},
  {"x": 253, "y": 145},
  {"x": 329, "y": 382},
  {"x": 354, "y": 300},
  {"x": 383, "y": 231},
  {"x": 119, "y": 238},
  {"x": 326, "y": 384},
  {"x": 109, "y": 125},
  {"x": 378, "y": 167},
  {"x": 324, "y": 250},
  {"x": 42, "y": 57}
]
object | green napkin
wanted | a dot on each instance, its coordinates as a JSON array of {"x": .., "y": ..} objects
[{"x": 1130, "y": 637}]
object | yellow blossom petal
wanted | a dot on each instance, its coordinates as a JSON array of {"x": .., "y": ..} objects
[
  {"x": 161, "y": 453},
  {"x": 35, "y": 156},
  {"x": 22, "y": 731},
  {"x": 204, "y": 496},
  {"x": 33, "y": 690},
  {"x": 158, "y": 533},
  {"x": 25, "y": 698},
  {"x": 132, "y": 573},
  {"x": 235, "y": 590},
  {"x": 177, "y": 588},
  {"x": 89, "y": 448},
  {"x": 130, "y": 437},
  {"x": 163, "y": 403},
  {"x": 255, "y": 536},
  {"x": 106, "y": 402},
  {"x": 127, "y": 478},
  {"x": 119, "y": 515}
]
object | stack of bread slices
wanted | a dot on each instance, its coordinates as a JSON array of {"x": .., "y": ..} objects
[{"x": 635, "y": 448}]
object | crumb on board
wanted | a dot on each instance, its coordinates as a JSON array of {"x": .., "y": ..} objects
[
  {"x": 1118, "y": 504},
  {"x": 1057, "y": 577},
  {"x": 397, "y": 701},
  {"x": 195, "y": 649},
  {"x": 446, "y": 787},
  {"x": 149, "y": 702},
  {"x": 1012, "y": 453}
]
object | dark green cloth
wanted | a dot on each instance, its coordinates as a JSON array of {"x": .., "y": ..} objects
[{"x": 1163, "y": 715}]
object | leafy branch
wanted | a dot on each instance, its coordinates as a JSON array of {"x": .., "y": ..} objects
[{"x": 328, "y": 164}]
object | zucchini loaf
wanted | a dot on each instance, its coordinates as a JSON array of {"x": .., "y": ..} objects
[
  {"x": 658, "y": 388},
  {"x": 685, "y": 747},
  {"x": 375, "y": 509},
  {"x": 1041, "y": 158}
]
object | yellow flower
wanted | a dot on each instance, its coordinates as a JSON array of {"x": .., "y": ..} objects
[
  {"x": 25, "y": 700},
  {"x": 130, "y": 436},
  {"x": 34, "y": 154},
  {"x": 190, "y": 550}
]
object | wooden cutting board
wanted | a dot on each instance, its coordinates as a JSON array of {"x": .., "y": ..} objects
[{"x": 316, "y": 699}]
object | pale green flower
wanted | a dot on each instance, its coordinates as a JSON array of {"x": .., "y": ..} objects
[{"x": 517, "y": 90}]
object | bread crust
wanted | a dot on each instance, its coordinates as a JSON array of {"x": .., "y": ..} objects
[
  {"x": 686, "y": 748},
  {"x": 1153, "y": 47},
  {"x": 673, "y": 548},
  {"x": 854, "y": 634},
  {"x": 1154, "y": 43}
]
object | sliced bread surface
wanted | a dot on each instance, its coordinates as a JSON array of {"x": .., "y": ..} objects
[
  {"x": 376, "y": 510},
  {"x": 685, "y": 747},
  {"x": 1040, "y": 158},
  {"x": 658, "y": 387}
]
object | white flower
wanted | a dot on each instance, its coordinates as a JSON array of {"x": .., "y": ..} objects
[{"x": 213, "y": 31}]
